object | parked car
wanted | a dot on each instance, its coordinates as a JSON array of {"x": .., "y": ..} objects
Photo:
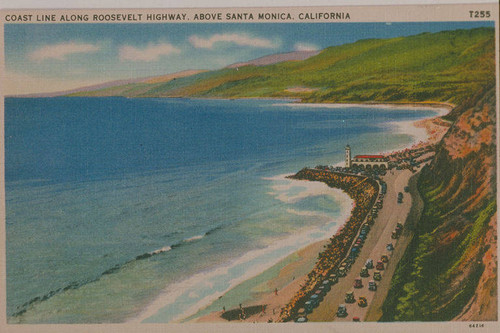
[
  {"x": 394, "y": 235},
  {"x": 364, "y": 272},
  {"x": 333, "y": 278},
  {"x": 342, "y": 271},
  {"x": 349, "y": 297},
  {"x": 377, "y": 276},
  {"x": 369, "y": 264},
  {"x": 358, "y": 283},
  {"x": 308, "y": 306},
  {"x": 390, "y": 247},
  {"x": 314, "y": 300},
  {"x": 384, "y": 258},
  {"x": 372, "y": 285},
  {"x": 302, "y": 312},
  {"x": 342, "y": 311},
  {"x": 301, "y": 320},
  {"x": 380, "y": 265},
  {"x": 356, "y": 319},
  {"x": 362, "y": 302}
]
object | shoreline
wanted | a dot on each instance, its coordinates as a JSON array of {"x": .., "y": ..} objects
[
  {"x": 291, "y": 274},
  {"x": 294, "y": 99},
  {"x": 282, "y": 250},
  {"x": 284, "y": 286},
  {"x": 446, "y": 107},
  {"x": 434, "y": 128}
]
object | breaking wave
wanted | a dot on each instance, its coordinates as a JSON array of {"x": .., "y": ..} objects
[{"x": 77, "y": 284}]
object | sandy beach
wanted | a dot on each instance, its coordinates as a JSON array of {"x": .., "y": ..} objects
[{"x": 292, "y": 275}]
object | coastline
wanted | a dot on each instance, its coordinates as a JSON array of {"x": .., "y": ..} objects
[
  {"x": 286, "y": 276},
  {"x": 287, "y": 281},
  {"x": 139, "y": 308}
]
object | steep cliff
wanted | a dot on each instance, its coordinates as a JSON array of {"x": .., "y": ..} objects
[{"x": 449, "y": 271}]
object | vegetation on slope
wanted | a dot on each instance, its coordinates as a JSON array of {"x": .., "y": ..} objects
[
  {"x": 443, "y": 67},
  {"x": 454, "y": 246}
]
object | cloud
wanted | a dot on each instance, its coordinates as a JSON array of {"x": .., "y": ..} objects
[
  {"x": 299, "y": 46},
  {"x": 235, "y": 38},
  {"x": 151, "y": 53},
  {"x": 60, "y": 51}
]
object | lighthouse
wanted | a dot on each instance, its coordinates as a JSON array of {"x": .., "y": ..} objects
[{"x": 348, "y": 160}]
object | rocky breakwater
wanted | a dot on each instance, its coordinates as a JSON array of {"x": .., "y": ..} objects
[{"x": 363, "y": 191}]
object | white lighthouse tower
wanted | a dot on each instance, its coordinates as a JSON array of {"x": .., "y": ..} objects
[{"x": 348, "y": 159}]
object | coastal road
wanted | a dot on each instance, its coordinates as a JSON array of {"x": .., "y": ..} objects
[{"x": 374, "y": 247}]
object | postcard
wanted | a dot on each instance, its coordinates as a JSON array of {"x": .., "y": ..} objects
[{"x": 243, "y": 169}]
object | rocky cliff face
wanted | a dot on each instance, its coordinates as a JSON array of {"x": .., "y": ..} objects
[
  {"x": 449, "y": 271},
  {"x": 470, "y": 148}
]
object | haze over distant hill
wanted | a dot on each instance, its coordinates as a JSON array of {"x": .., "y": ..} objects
[
  {"x": 107, "y": 86},
  {"x": 276, "y": 58},
  {"x": 122, "y": 87}
]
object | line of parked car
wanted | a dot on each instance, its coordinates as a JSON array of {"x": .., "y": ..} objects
[
  {"x": 318, "y": 296},
  {"x": 362, "y": 301}
]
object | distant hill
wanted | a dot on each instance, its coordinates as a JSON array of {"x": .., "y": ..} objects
[
  {"x": 276, "y": 58},
  {"x": 116, "y": 87},
  {"x": 442, "y": 67}
]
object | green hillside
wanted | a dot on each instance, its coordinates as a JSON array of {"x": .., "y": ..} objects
[{"x": 443, "y": 66}]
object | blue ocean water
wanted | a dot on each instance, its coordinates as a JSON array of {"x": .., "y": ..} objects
[{"x": 112, "y": 201}]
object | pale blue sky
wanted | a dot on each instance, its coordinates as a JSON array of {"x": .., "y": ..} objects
[{"x": 55, "y": 56}]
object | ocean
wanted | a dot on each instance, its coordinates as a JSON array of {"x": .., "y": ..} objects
[{"x": 111, "y": 202}]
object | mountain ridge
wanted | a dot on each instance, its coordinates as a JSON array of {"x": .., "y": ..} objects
[{"x": 440, "y": 67}]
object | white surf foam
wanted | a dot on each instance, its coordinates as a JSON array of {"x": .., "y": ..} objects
[
  {"x": 191, "y": 239},
  {"x": 163, "y": 249}
]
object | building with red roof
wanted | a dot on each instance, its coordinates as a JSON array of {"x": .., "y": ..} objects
[{"x": 365, "y": 161}]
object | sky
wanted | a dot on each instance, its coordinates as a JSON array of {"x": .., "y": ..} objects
[{"x": 54, "y": 57}]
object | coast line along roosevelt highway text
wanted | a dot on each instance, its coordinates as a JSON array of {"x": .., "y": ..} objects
[{"x": 201, "y": 16}]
